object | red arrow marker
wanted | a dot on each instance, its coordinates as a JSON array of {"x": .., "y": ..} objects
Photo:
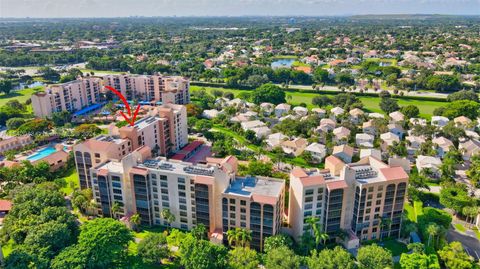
[{"x": 130, "y": 119}]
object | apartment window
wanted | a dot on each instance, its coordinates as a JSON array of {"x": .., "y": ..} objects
[
  {"x": 369, "y": 197},
  {"x": 320, "y": 190},
  {"x": 380, "y": 188},
  {"x": 378, "y": 202},
  {"x": 377, "y": 209},
  {"x": 243, "y": 210},
  {"x": 374, "y": 230},
  {"x": 232, "y": 201},
  {"x": 97, "y": 155},
  {"x": 367, "y": 211},
  {"x": 370, "y": 189},
  {"x": 309, "y": 192},
  {"x": 181, "y": 180},
  {"x": 379, "y": 195},
  {"x": 369, "y": 203},
  {"x": 308, "y": 199},
  {"x": 243, "y": 202}
]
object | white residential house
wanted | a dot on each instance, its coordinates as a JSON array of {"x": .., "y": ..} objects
[
  {"x": 428, "y": 162},
  {"x": 237, "y": 102},
  {"x": 439, "y": 121},
  {"x": 276, "y": 139},
  {"x": 261, "y": 132},
  {"x": 396, "y": 116},
  {"x": 414, "y": 143},
  {"x": 281, "y": 109},
  {"x": 364, "y": 140},
  {"x": 418, "y": 121},
  {"x": 472, "y": 134},
  {"x": 318, "y": 151},
  {"x": 300, "y": 111},
  {"x": 463, "y": 122},
  {"x": 356, "y": 115},
  {"x": 402, "y": 162},
  {"x": 469, "y": 148},
  {"x": 319, "y": 112},
  {"x": 337, "y": 111},
  {"x": 248, "y": 125},
  {"x": 388, "y": 139},
  {"x": 341, "y": 135},
  {"x": 396, "y": 129},
  {"x": 267, "y": 108},
  {"x": 368, "y": 128},
  {"x": 294, "y": 147},
  {"x": 442, "y": 145},
  {"x": 326, "y": 125},
  {"x": 371, "y": 152},
  {"x": 376, "y": 116},
  {"x": 221, "y": 102},
  {"x": 210, "y": 113},
  {"x": 344, "y": 152}
]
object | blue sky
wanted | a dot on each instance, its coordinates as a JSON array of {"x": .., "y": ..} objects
[{"x": 123, "y": 8}]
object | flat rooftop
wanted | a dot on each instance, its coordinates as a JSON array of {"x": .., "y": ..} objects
[
  {"x": 366, "y": 174},
  {"x": 143, "y": 123},
  {"x": 178, "y": 167},
  {"x": 109, "y": 138},
  {"x": 112, "y": 166},
  {"x": 247, "y": 186}
]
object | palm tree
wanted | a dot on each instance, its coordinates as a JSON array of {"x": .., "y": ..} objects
[
  {"x": 312, "y": 221},
  {"x": 167, "y": 216},
  {"x": 432, "y": 230},
  {"x": 320, "y": 236},
  {"x": 245, "y": 237},
  {"x": 385, "y": 224},
  {"x": 115, "y": 209},
  {"x": 232, "y": 237},
  {"x": 135, "y": 220}
]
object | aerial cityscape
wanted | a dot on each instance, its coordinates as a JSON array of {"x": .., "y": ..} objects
[{"x": 240, "y": 137}]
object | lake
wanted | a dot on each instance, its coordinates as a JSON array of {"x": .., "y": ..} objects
[{"x": 282, "y": 63}]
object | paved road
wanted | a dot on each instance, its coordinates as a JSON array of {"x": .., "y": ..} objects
[{"x": 470, "y": 244}]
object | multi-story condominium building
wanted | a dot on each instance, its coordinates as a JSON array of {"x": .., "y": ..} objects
[
  {"x": 85, "y": 92},
  {"x": 71, "y": 96},
  {"x": 210, "y": 194},
  {"x": 15, "y": 142},
  {"x": 366, "y": 199},
  {"x": 164, "y": 89},
  {"x": 165, "y": 130},
  {"x": 98, "y": 150}
]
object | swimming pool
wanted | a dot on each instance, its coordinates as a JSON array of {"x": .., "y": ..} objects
[{"x": 41, "y": 154}]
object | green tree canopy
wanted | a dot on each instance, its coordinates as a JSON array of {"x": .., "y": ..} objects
[
  {"x": 268, "y": 93},
  {"x": 374, "y": 257},
  {"x": 331, "y": 259}
]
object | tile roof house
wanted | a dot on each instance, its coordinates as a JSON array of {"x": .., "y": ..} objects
[
  {"x": 368, "y": 128},
  {"x": 439, "y": 121},
  {"x": 295, "y": 146},
  {"x": 344, "y": 152},
  {"x": 300, "y": 110},
  {"x": 364, "y": 140},
  {"x": 371, "y": 152},
  {"x": 210, "y": 113},
  {"x": 267, "y": 108},
  {"x": 418, "y": 121},
  {"x": 396, "y": 116},
  {"x": 281, "y": 109},
  {"x": 337, "y": 111},
  {"x": 356, "y": 115},
  {"x": 376, "y": 115},
  {"x": 462, "y": 122},
  {"x": 341, "y": 135},
  {"x": 319, "y": 112},
  {"x": 318, "y": 151},
  {"x": 388, "y": 139},
  {"x": 326, "y": 125},
  {"x": 414, "y": 143},
  {"x": 248, "y": 125},
  {"x": 334, "y": 164},
  {"x": 428, "y": 162},
  {"x": 443, "y": 145},
  {"x": 469, "y": 148},
  {"x": 276, "y": 139},
  {"x": 396, "y": 129}
]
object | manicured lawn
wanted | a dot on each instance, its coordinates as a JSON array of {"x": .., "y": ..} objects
[
  {"x": 477, "y": 232},
  {"x": 71, "y": 182},
  {"x": 21, "y": 95},
  {"x": 371, "y": 104},
  {"x": 395, "y": 247},
  {"x": 459, "y": 227}
]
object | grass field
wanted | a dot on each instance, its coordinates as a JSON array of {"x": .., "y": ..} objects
[
  {"x": 22, "y": 95},
  {"x": 71, "y": 182},
  {"x": 395, "y": 247},
  {"x": 371, "y": 104},
  {"x": 459, "y": 227}
]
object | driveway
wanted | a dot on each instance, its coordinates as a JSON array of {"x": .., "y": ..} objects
[{"x": 470, "y": 243}]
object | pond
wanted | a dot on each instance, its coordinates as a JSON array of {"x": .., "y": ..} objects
[
  {"x": 23, "y": 85},
  {"x": 282, "y": 63}
]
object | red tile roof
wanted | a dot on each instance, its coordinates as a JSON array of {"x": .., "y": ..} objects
[
  {"x": 393, "y": 173},
  {"x": 298, "y": 172},
  {"x": 312, "y": 181},
  {"x": 339, "y": 184},
  {"x": 5, "y": 205}
]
